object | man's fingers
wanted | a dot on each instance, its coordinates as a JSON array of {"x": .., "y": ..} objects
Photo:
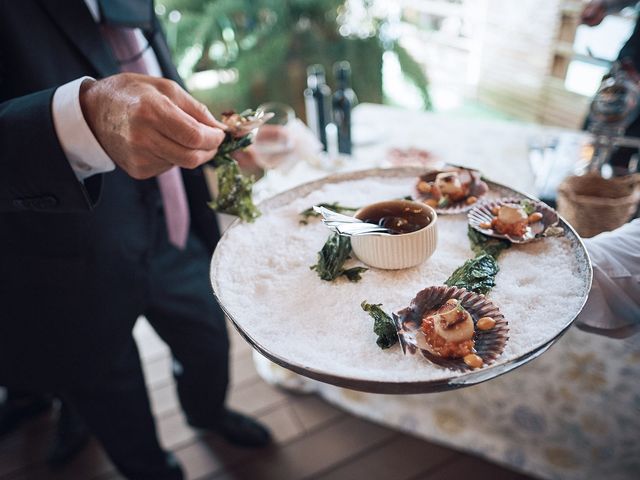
[
  {"x": 176, "y": 154},
  {"x": 184, "y": 129},
  {"x": 190, "y": 105},
  {"x": 147, "y": 125}
]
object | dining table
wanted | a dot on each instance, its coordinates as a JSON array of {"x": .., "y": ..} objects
[{"x": 566, "y": 407}]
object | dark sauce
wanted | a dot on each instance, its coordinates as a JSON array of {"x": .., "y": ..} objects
[{"x": 399, "y": 216}]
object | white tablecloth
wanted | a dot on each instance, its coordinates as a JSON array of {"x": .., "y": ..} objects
[{"x": 573, "y": 413}]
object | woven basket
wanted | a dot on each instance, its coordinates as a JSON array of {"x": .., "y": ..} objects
[{"x": 592, "y": 204}]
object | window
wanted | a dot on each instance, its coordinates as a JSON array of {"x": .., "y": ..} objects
[{"x": 594, "y": 49}]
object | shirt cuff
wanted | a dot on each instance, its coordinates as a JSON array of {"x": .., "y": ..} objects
[{"x": 84, "y": 153}]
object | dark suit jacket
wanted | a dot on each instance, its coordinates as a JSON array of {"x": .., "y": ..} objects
[{"x": 74, "y": 258}]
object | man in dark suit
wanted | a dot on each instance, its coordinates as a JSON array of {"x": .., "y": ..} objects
[{"x": 99, "y": 225}]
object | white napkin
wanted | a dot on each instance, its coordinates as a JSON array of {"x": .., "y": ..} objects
[{"x": 306, "y": 147}]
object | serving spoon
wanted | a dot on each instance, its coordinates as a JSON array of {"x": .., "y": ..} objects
[{"x": 347, "y": 225}]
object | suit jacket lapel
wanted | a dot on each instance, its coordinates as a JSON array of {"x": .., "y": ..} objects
[{"x": 74, "y": 19}]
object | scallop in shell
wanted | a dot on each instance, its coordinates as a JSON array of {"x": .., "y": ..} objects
[
  {"x": 469, "y": 178},
  {"x": 489, "y": 344},
  {"x": 482, "y": 214},
  {"x": 241, "y": 124}
]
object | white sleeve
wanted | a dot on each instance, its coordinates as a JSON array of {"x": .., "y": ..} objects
[
  {"x": 614, "y": 300},
  {"x": 80, "y": 146}
]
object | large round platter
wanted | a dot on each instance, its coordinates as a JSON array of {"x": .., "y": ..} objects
[{"x": 260, "y": 274}]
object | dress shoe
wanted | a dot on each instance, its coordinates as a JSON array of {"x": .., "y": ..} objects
[
  {"x": 237, "y": 429},
  {"x": 19, "y": 407},
  {"x": 71, "y": 436}
]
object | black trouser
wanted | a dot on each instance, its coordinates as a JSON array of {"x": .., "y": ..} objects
[{"x": 181, "y": 308}]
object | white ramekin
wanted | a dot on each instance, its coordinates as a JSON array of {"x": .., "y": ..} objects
[{"x": 393, "y": 252}]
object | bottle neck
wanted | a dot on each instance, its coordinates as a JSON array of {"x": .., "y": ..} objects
[
  {"x": 342, "y": 73},
  {"x": 316, "y": 79},
  {"x": 343, "y": 84}
]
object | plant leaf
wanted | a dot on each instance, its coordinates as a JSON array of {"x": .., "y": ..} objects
[
  {"x": 335, "y": 252},
  {"x": 476, "y": 275},
  {"x": 234, "y": 191},
  {"x": 383, "y": 325},
  {"x": 483, "y": 244},
  {"x": 354, "y": 274}
]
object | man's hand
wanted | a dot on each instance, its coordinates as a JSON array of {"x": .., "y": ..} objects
[
  {"x": 593, "y": 13},
  {"x": 147, "y": 125}
]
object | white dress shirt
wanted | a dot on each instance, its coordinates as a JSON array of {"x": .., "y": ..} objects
[
  {"x": 83, "y": 151},
  {"x": 614, "y": 300}
]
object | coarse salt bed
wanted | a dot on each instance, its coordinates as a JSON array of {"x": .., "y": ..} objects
[{"x": 262, "y": 277}]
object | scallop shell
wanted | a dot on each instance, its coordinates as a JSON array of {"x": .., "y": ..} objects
[
  {"x": 489, "y": 344},
  {"x": 241, "y": 124},
  {"x": 478, "y": 189},
  {"x": 481, "y": 213}
]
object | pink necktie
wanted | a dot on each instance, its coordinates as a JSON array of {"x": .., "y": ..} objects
[{"x": 127, "y": 49}]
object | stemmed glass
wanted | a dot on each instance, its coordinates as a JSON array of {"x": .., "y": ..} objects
[{"x": 273, "y": 142}]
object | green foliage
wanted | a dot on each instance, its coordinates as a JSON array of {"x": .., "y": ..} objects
[
  {"x": 413, "y": 71},
  {"x": 483, "y": 244},
  {"x": 260, "y": 70},
  {"x": 335, "y": 252},
  {"x": 270, "y": 43},
  {"x": 234, "y": 195},
  {"x": 234, "y": 190},
  {"x": 383, "y": 325},
  {"x": 477, "y": 275}
]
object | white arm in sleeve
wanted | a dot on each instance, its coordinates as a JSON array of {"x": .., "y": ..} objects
[
  {"x": 614, "y": 300},
  {"x": 80, "y": 146}
]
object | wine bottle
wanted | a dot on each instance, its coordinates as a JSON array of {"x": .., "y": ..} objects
[
  {"x": 343, "y": 100},
  {"x": 317, "y": 99}
]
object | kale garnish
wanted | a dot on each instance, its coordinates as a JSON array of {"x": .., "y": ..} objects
[
  {"x": 234, "y": 188},
  {"x": 354, "y": 274},
  {"x": 383, "y": 325},
  {"x": 478, "y": 274},
  {"x": 481, "y": 243},
  {"x": 335, "y": 252}
]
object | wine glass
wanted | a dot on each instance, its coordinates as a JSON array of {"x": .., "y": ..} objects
[{"x": 274, "y": 142}]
